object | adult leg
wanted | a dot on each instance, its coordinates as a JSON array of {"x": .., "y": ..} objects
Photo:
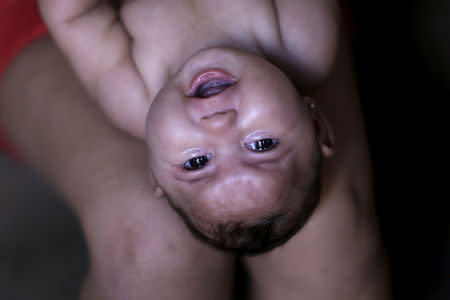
[
  {"x": 338, "y": 254},
  {"x": 139, "y": 248}
]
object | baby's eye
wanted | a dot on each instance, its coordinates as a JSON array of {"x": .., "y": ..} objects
[
  {"x": 262, "y": 145},
  {"x": 212, "y": 88},
  {"x": 196, "y": 163}
]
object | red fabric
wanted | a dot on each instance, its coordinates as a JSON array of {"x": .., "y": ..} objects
[{"x": 20, "y": 24}]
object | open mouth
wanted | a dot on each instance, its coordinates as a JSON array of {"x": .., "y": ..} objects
[{"x": 210, "y": 83}]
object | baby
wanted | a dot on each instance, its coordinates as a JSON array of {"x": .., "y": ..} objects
[
  {"x": 234, "y": 149},
  {"x": 210, "y": 91},
  {"x": 232, "y": 145}
]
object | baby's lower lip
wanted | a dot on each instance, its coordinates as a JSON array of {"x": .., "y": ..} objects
[{"x": 206, "y": 76}]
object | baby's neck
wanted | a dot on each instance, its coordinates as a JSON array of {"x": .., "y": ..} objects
[{"x": 167, "y": 70}]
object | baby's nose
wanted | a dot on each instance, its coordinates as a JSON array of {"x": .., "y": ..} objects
[{"x": 219, "y": 120}]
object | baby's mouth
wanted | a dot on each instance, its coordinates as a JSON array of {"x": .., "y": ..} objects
[
  {"x": 210, "y": 83},
  {"x": 208, "y": 94}
]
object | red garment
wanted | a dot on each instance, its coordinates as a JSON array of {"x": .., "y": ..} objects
[{"x": 20, "y": 24}]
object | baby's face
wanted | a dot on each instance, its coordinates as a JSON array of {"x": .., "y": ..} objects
[{"x": 234, "y": 148}]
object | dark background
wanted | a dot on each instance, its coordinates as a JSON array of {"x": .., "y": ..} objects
[{"x": 402, "y": 61}]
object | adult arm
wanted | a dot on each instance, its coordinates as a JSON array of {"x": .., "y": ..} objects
[{"x": 139, "y": 248}]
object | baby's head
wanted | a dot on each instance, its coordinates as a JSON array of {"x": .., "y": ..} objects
[{"x": 236, "y": 150}]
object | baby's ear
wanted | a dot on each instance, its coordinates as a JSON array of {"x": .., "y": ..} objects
[
  {"x": 156, "y": 189},
  {"x": 323, "y": 129},
  {"x": 159, "y": 193}
]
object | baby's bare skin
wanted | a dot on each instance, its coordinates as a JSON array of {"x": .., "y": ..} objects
[
  {"x": 129, "y": 61},
  {"x": 335, "y": 256}
]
